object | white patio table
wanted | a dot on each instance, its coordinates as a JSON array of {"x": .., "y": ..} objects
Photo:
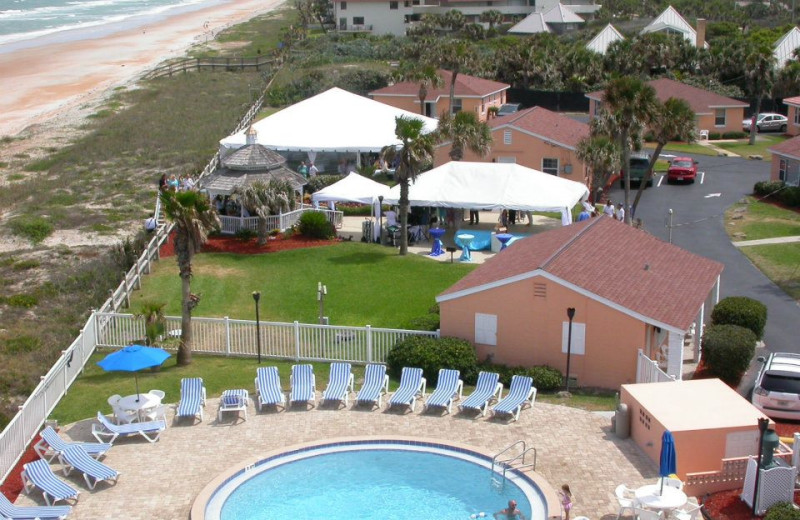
[
  {"x": 652, "y": 496},
  {"x": 145, "y": 403}
]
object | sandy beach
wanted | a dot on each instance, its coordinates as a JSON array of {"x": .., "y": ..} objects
[{"x": 45, "y": 82}]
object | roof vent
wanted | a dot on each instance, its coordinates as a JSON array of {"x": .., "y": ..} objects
[
  {"x": 646, "y": 267},
  {"x": 540, "y": 290}
]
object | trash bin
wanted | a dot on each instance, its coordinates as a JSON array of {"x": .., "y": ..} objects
[{"x": 622, "y": 421}]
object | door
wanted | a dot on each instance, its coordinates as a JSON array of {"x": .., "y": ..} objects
[{"x": 342, "y": 24}]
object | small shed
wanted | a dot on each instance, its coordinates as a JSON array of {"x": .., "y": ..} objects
[{"x": 708, "y": 419}]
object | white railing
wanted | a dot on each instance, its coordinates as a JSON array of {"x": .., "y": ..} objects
[
  {"x": 647, "y": 370},
  {"x": 230, "y": 225}
]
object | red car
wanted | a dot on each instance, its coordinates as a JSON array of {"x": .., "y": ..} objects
[{"x": 682, "y": 169}]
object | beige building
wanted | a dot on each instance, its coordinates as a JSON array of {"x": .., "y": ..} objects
[
  {"x": 786, "y": 161},
  {"x": 713, "y": 113},
  {"x": 471, "y": 93},
  {"x": 630, "y": 291}
]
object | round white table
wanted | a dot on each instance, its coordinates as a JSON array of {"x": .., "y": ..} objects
[
  {"x": 652, "y": 497},
  {"x": 146, "y": 402}
]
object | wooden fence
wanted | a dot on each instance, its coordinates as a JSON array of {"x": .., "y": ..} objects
[{"x": 220, "y": 64}]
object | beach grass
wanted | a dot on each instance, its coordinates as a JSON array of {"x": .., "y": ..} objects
[{"x": 256, "y": 37}]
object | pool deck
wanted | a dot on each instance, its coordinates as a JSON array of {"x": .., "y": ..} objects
[{"x": 161, "y": 480}]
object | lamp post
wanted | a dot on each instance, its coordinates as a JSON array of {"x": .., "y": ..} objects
[
  {"x": 763, "y": 423},
  {"x": 322, "y": 291},
  {"x": 380, "y": 219},
  {"x": 256, "y": 298},
  {"x": 570, "y": 315}
]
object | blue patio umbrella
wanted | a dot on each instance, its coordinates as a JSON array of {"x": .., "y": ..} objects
[
  {"x": 669, "y": 460},
  {"x": 132, "y": 359}
]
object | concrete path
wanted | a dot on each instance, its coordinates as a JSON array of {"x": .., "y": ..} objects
[{"x": 766, "y": 241}]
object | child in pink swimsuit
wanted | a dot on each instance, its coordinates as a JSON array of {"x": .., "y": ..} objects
[{"x": 566, "y": 500}]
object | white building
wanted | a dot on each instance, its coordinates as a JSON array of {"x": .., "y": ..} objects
[
  {"x": 784, "y": 48},
  {"x": 604, "y": 38},
  {"x": 671, "y": 22}
]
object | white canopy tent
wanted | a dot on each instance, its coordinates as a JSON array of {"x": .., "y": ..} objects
[
  {"x": 484, "y": 185},
  {"x": 333, "y": 121},
  {"x": 355, "y": 188}
]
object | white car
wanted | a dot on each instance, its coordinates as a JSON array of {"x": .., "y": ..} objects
[
  {"x": 767, "y": 122},
  {"x": 777, "y": 390}
]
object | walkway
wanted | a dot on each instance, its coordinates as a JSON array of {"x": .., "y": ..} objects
[
  {"x": 721, "y": 152},
  {"x": 160, "y": 481},
  {"x": 767, "y": 241}
]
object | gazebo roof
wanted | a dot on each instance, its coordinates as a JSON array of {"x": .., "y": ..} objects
[
  {"x": 253, "y": 157},
  {"x": 225, "y": 180}
]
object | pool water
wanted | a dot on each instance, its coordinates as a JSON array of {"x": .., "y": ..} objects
[{"x": 372, "y": 482}]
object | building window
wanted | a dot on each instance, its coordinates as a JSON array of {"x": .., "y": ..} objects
[
  {"x": 486, "y": 329},
  {"x": 342, "y": 6},
  {"x": 796, "y": 111},
  {"x": 358, "y": 20},
  {"x": 550, "y": 165},
  {"x": 578, "y": 345},
  {"x": 598, "y": 106},
  {"x": 407, "y": 4},
  {"x": 782, "y": 167},
  {"x": 719, "y": 117},
  {"x": 506, "y": 136},
  {"x": 392, "y": 5},
  {"x": 456, "y": 105}
]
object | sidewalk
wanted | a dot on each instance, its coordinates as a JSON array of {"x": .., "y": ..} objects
[
  {"x": 721, "y": 152},
  {"x": 767, "y": 241}
]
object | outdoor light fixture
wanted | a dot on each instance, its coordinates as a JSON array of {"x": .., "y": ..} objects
[
  {"x": 322, "y": 292},
  {"x": 256, "y": 298},
  {"x": 763, "y": 423},
  {"x": 380, "y": 219},
  {"x": 570, "y": 315}
]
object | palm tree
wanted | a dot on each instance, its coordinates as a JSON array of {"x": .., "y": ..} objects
[
  {"x": 415, "y": 152},
  {"x": 465, "y": 131},
  {"x": 263, "y": 199},
  {"x": 154, "y": 319},
  {"x": 492, "y": 17},
  {"x": 602, "y": 155},
  {"x": 193, "y": 218},
  {"x": 426, "y": 75},
  {"x": 759, "y": 79},
  {"x": 455, "y": 56},
  {"x": 673, "y": 119},
  {"x": 455, "y": 20}
]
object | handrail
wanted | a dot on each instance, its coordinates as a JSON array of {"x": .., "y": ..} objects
[
  {"x": 506, "y": 464},
  {"x": 507, "y": 448}
]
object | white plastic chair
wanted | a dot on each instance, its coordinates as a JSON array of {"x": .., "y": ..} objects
[
  {"x": 158, "y": 393},
  {"x": 673, "y": 482},
  {"x": 703, "y": 135},
  {"x": 647, "y": 514},
  {"x": 690, "y": 512},
  {"x": 155, "y": 413},
  {"x": 124, "y": 416},
  {"x": 112, "y": 402},
  {"x": 626, "y": 498}
]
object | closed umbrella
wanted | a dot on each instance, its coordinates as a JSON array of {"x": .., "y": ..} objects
[
  {"x": 669, "y": 461},
  {"x": 132, "y": 359}
]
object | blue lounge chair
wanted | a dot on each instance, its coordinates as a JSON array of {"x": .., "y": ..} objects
[
  {"x": 412, "y": 385},
  {"x": 303, "y": 385},
  {"x": 487, "y": 389},
  {"x": 193, "y": 398},
  {"x": 93, "y": 471},
  {"x": 268, "y": 387},
  {"x": 233, "y": 401},
  {"x": 448, "y": 386},
  {"x": 376, "y": 383},
  {"x": 38, "y": 474},
  {"x": 51, "y": 445},
  {"x": 520, "y": 393},
  {"x": 150, "y": 430},
  {"x": 12, "y": 512},
  {"x": 340, "y": 384}
]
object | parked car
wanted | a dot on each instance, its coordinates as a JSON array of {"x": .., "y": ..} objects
[
  {"x": 508, "y": 108},
  {"x": 682, "y": 169},
  {"x": 767, "y": 122},
  {"x": 777, "y": 390},
  {"x": 638, "y": 169}
]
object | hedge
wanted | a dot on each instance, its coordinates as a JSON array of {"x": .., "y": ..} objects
[
  {"x": 743, "y": 311},
  {"x": 314, "y": 224},
  {"x": 763, "y": 188},
  {"x": 432, "y": 354},
  {"x": 782, "y": 511},
  {"x": 727, "y": 351},
  {"x": 545, "y": 378}
]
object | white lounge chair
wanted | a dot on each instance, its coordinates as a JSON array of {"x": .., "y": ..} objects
[
  {"x": 51, "y": 445},
  {"x": 93, "y": 471},
  {"x": 38, "y": 474},
  {"x": 12, "y": 512},
  {"x": 340, "y": 384},
  {"x": 487, "y": 389},
  {"x": 448, "y": 387},
  {"x": 233, "y": 401},
  {"x": 193, "y": 398},
  {"x": 376, "y": 383},
  {"x": 521, "y": 392},
  {"x": 268, "y": 387},
  {"x": 304, "y": 389},
  {"x": 150, "y": 430},
  {"x": 412, "y": 386}
]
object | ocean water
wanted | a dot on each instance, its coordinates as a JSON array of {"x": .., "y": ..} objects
[{"x": 26, "y": 20}]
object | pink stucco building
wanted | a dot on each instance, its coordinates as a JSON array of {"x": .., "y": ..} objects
[
  {"x": 786, "y": 161},
  {"x": 630, "y": 291}
]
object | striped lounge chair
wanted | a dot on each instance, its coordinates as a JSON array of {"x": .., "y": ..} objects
[
  {"x": 448, "y": 387},
  {"x": 193, "y": 398},
  {"x": 340, "y": 384},
  {"x": 150, "y": 430},
  {"x": 487, "y": 389},
  {"x": 51, "y": 445},
  {"x": 93, "y": 471},
  {"x": 412, "y": 385},
  {"x": 303, "y": 385},
  {"x": 268, "y": 387},
  {"x": 376, "y": 383},
  {"x": 233, "y": 401},
  {"x": 38, "y": 474},
  {"x": 520, "y": 393},
  {"x": 12, "y": 512}
]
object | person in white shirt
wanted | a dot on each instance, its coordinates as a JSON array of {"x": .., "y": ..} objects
[
  {"x": 391, "y": 218},
  {"x": 150, "y": 224},
  {"x": 620, "y": 214},
  {"x": 608, "y": 210},
  {"x": 312, "y": 170}
]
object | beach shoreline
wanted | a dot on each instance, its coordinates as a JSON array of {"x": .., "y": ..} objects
[{"x": 41, "y": 84}]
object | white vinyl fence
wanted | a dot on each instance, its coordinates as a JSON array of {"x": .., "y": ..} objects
[
  {"x": 230, "y": 225},
  {"x": 647, "y": 370}
]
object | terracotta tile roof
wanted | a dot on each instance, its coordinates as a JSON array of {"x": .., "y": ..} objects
[
  {"x": 614, "y": 261},
  {"x": 466, "y": 86},
  {"x": 792, "y": 101},
  {"x": 540, "y": 121},
  {"x": 788, "y": 147},
  {"x": 701, "y": 101}
]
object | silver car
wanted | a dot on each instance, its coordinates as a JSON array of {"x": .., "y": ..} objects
[
  {"x": 767, "y": 122},
  {"x": 777, "y": 390}
]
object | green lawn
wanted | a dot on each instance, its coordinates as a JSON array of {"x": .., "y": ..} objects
[
  {"x": 762, "y": 220},
  {"x": 684, "y": 148},
  {"x": 781, "y": 264},
  {"x": 741, "y": 146},
  {"x": 367, "y": 284}
]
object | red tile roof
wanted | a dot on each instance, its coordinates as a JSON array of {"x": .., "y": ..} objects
[
  {"x": 466, "y": 86},
  {"x": 614, "y": 261},
  {"x": 792, "y": 101},
  {"x": 542, "y": 122},
  {"x": 701, "y": 101},
  {"x": 789, "y": 147}
]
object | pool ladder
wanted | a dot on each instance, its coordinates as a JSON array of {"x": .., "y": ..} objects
[{"x": 509, "y": 463}]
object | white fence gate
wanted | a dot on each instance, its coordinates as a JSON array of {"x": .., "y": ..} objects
[{"x": 647, "y": 370}]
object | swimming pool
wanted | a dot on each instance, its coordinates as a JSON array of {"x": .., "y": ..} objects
[{"x": 360, "y": 480}]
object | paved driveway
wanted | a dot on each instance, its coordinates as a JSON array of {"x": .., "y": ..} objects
[{"x": 698, "y": 219}]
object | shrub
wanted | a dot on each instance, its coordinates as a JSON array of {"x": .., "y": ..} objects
[
  {"x": 545, "y": 378},
  {"x": 428, "y": 322},
  {"x": 743, "y": 311},
  {"x": 789, "y": 196},
  {"x": 360, "y": 210},
  {"x": 767, "y": 187},
  {"x": 727, "y": 351},
  {"x": 782, "y": 511},
  {"x": 321, "y": 181},
  {"x": 432, "y": 354},
  {"x": 314, "y": 224},
  {"x": 245, "y": 234},
  {"x": 34, "y": 229},
  {"x": 713, "y": 136},
  {"x": 19, "y": 344},
  {"x": 734, "y": 135},
  {"x": 22, "y": 300},
  {"x": 24, "y": 265}
]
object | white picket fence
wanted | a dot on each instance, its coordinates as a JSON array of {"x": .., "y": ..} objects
[
  {"x": 647, "y": 370},
  {"x": 230, "y": 225}
]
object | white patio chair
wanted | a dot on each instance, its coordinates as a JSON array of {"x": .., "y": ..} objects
[
  {"x": 158, "y": 393},
  {"x": 626, "y": 498},
  {"x": 672, "y": 482},
  {"x": 688, "y": 512},
  {"x": 647, "y": 514}
]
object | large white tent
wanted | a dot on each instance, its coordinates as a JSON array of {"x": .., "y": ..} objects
[
  {"x": 483, "y": 185},
  {"x": 333, "y": 121},
  {"x": 355, "y": 188}
]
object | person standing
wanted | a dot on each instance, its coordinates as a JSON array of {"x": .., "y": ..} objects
[
  {"x": 303, "y": 169},
  {"x": 512, "y": 217},
  {"x": 474, "y": 217},
  {"x": 608, "y": 209},
  {"x": 620, "y": 214},
  {"x": 584, "y": 215},
  {"x": 566, "y": 500},
  {"x": 163, "y": 183},
  {"x": 312, "y": 171}
]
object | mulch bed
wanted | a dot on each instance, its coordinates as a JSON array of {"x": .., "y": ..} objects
[
  {"x": 231, "y": 244},
  {"x": 12, "y": 486}
]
